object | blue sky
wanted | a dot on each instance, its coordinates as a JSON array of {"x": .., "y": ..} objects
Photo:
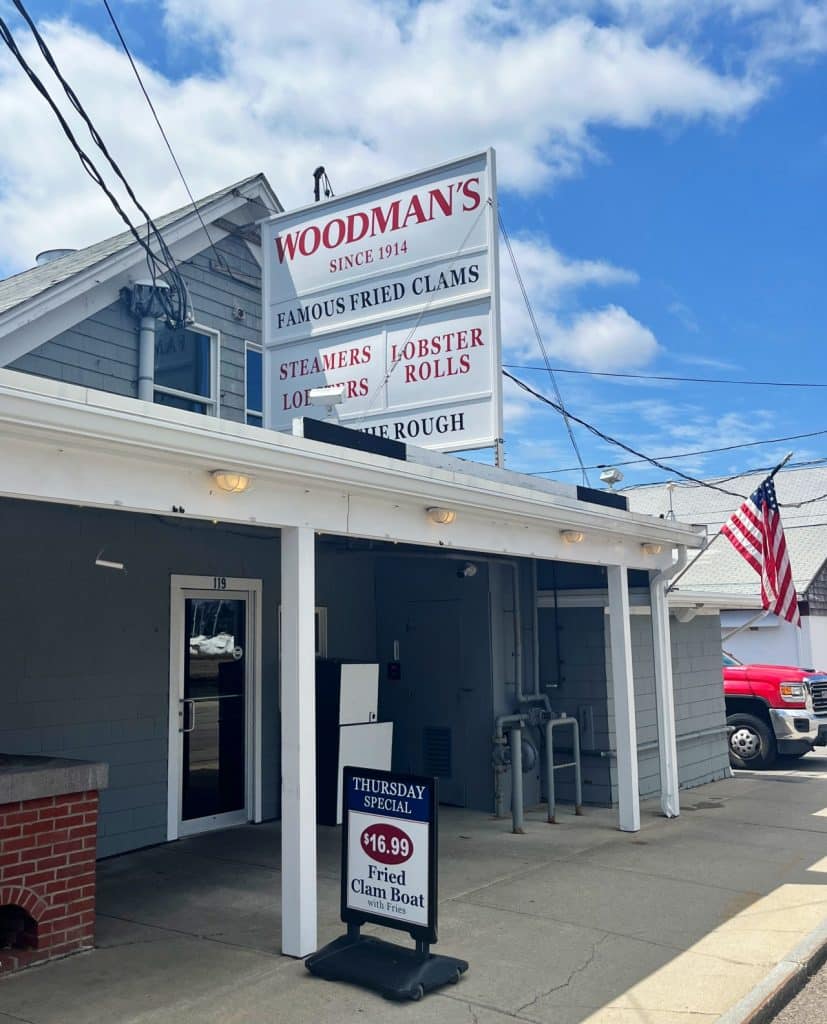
[{"x": 662, "y": 168}]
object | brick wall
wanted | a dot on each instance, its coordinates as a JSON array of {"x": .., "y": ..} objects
[{"x": 47, "y": 869}]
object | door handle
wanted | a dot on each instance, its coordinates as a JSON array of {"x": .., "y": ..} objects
[{"x": 187, "y": 703}]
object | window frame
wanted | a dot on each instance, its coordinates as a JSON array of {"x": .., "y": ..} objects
[
  {"x": 248, "y": 412},
  {"x": 213, "y": 403}
]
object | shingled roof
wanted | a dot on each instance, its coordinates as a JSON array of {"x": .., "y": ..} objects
[{"x": 721, "y": 569}]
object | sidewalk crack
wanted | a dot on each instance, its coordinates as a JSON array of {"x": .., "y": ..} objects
[{"x": 577, "y": 970}]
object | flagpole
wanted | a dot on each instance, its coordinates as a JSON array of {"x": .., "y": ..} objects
[{"x": 709, "y": 544}]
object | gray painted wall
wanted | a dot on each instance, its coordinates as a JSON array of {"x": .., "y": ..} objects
[
  {"x": 446, "y": 676},
  {"x": 86, "y": 673},
  {"x": 101, "y": 352},
  {"x": 577, "y": 686},
  {"x": 699, "y": 702}
]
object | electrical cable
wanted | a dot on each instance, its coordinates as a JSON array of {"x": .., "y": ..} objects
[
  {"x": 659, "y": 376},
  {"x": 613, "y": 440},
  {"x": 546, "y": 360},
  {"x": 221, "y": 260},
  {"x": 646, "y": 458},
  {"x": 161, "y": 263},
  {"x": 685, "y": 455},
  {"x": 723, "y": 479}
]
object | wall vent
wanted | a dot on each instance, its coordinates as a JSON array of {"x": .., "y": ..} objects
[{"x": 436, "y": 748}]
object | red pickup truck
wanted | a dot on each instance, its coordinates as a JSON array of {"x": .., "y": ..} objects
[{"x": 772, "y": 710}]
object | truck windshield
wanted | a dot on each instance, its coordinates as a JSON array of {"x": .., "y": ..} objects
[{"x": 730, "y": 661}]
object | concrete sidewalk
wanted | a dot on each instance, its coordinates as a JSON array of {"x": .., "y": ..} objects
[{"x": 566, "y": 924}]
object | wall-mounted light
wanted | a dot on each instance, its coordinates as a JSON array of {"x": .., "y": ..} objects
[
  {"x": 650, "y": 548},
  {"x": 572, "y": 536},
  {"x": 230, "y": 480},
  {"x": 105, "y": 563},
  {"x": 467, "y": 571},
  {"x": 442, "y": 516}
]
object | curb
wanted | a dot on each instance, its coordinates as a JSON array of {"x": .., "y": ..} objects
[{"x": 783, "y": 982}]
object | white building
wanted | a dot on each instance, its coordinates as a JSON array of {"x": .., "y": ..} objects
[{"x": 170, "y": 628}]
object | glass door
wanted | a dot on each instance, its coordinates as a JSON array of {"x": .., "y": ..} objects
[{"x": 213, "y": 634}]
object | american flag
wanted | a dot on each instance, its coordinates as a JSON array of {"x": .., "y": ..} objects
[{"x": 756, "y": 533}]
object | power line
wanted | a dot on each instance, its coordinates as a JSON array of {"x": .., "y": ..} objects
[
  {"x": 540, "y": 342},
  {"x": 640, "y": 455},
  {"x": 160, "y": 263},
  {"x": 725, "y": 479},
  {"x": 115, "y": 25},
  {"x": 660, "y": 376},
  {"x": 681, "y": 455}
]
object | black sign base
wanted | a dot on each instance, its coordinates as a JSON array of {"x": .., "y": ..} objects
[{"x": 394, "y": 971}]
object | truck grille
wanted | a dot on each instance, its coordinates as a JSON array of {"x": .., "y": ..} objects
[{"x": 819, "y": 691}]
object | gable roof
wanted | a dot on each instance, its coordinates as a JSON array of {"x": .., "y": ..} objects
[
  {"x": 27, "y": 284},
  {"x": 721, "y": 568}
]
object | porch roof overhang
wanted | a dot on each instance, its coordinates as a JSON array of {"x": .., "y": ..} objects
[{"x": 66, "y": 444}]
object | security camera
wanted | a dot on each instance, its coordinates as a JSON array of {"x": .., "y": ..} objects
[
  {"x": 331, "y": 394},
  {"x": 611, "y": 476}
]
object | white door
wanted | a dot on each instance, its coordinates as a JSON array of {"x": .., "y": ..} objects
[{"x": 215, "y": 718}]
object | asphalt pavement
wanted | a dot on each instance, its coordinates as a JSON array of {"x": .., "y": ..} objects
[{"x": 810, "y": 1005}]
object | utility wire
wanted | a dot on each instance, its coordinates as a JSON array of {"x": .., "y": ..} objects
[
  {"x": 724, "y": 479},
  {"x": 682, "y": 455},
  {"x": 119, "y": 34},
  {"x": 549, "y": 369},
  {"x": 640, "y": 456},
  {"x": 660, "y": 376},
  {"x": 159, "y": 263}
]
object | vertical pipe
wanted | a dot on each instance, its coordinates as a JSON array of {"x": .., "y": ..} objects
[
  {"x": 517, "y": 780},
  {"x": 552, "y": 803},
  {"x": 623, "y": 688},
  {"x": 578, "y": 781},
  {"x": 146, "y": 359},
  {"x": 298, "y": 741}
]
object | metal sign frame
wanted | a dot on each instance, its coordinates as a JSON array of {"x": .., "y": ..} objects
[{"x": 421, "y": 933}]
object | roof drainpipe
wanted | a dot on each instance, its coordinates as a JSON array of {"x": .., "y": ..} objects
[
  {"x": 145, "y": 304},
  {"x": 146, "y": 359}
]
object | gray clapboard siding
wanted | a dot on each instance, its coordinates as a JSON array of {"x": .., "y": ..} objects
[{"x": 101, "y": 352}]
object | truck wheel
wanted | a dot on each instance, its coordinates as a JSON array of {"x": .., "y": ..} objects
[{"x": 751, "y": 742}]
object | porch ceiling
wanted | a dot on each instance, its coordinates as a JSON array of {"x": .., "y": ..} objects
[{"x": 67, "y": 444}]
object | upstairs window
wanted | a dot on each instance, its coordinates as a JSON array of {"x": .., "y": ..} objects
[
  {"x": 253, "y": 384},
  {"x": 186, "y": 368}
]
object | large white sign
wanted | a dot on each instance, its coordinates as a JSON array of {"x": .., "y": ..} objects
[{"x": 392, "y": 293}]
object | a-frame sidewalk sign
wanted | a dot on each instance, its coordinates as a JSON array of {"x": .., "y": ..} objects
[{"x": 389, "y": 878}]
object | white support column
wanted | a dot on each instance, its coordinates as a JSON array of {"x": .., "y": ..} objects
[
  {"x": 298, "y": 742},
  {"x": 623, "y": 688},
  {"x": 667, "y": 744}
]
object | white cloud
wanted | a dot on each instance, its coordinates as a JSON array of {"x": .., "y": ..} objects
[
  {"x": 606, "y": 339},
  {"x": 367, "y": 88}
]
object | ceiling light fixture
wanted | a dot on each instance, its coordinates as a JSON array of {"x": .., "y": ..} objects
[
  {"x": 441, "y": 516},
  {"x": 651, "y": 548},
  {"x": 231, "y": 481},
  {"x": 572, "y": 536}
]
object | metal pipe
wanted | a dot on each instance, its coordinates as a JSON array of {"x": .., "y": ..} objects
[
  {"x": 501, "y": 723},
  {"x": 551, "y": 725},
  {"x": 146, "y": 359},
  {"x": 552, "y": 802},
  {"x": 517, "y": 780}
]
